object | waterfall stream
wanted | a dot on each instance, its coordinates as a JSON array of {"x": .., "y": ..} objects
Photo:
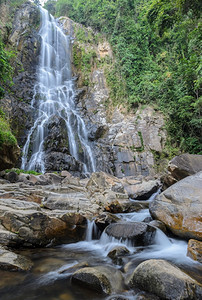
[
  {"x": 54, "y": 95},
  {"x": 50, "y": 277}
]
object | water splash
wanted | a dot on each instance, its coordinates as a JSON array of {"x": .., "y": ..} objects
[{"x": 54, "y": 95}]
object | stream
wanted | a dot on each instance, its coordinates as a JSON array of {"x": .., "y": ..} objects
[{"x": 50, "y": 278}]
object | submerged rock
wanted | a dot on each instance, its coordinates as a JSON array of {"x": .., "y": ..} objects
[
  {"x": 138, "y": 233},
  {"x": 179, "y": 207},
  {"x": 116, "y": 254},
  {"x": 103, "y": 279},
  {"x": 194, "y": 250},
  {"x": 164, "y": 280},
  {"x": 14, "y": 262}
]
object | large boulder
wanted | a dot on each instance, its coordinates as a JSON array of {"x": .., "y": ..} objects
[
  {"x": 103, "y": 279},
  {"x": 179, "y": 207},
  {"x": 138, "y": 233},
  {"x": 25, "y": 223},
  {"x": 164, "y": 280},
  {"x": 182, "y": 166},
  {"x": 141, "y": 190},
  {"x": 194, "y": 250},
  {"x": 14, "y": 262}
]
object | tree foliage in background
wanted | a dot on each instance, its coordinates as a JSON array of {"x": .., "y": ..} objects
[
  {"x": 5, "y": 68},
  {"x": 157, "y": 44}
]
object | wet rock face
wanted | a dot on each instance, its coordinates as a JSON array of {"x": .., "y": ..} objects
[
  {"x": 139, "y": 233},
  {"x": 164, "y": 280},
  {"x": 55, "y": 161},
  {"x": 123, "y": 143},
  {"x": 23, "y": 38},
  {"x": 57, "y": 137},
  {"x": 179, "y": 207}
]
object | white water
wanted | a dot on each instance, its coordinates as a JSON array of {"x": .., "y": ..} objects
[
  {"x": 135, "y": 216},
  {"x": 54, "y": 95},
  {"x": 163, "y": 247}
]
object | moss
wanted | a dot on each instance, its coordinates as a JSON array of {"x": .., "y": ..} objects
[
  {"x": 17, "y": 3},
  {"x": 6, "y": 136},
  {"x": 18, "y": 171},
  {"x": 138, "y": 149},
  {"x": 84, "y": 59}
]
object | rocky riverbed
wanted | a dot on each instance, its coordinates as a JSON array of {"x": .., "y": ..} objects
[{"x": 69, "y": 238}]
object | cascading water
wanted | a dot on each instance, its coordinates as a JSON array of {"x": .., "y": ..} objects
[{"x": 54, "y": 95}]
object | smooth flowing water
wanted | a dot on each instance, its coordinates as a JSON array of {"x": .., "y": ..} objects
[
  {"x": 50, "y": 277},
  {"x": 54, "y": 95}
]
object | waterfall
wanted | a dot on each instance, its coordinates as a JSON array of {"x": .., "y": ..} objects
[{"x": 54, "y": 95}]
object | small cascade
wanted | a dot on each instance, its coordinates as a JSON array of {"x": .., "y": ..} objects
[
  {"x": 109, "y": 242},
  {"x": 135, "y": 216},
  {"x": 91, "y": 231},
  {"x": 54, "y": 96},
  {"x": 153, "y": 196}
]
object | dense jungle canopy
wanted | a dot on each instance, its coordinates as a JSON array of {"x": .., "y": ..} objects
[
  {"x": 157, "y": 49},
  {"x": 157, "y": 45}
]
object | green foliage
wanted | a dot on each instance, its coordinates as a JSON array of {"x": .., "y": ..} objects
[
  {"x": 18, "y": 171},
  {"x": 5, "y": 68},
  {"x": 6, "y": 137},
  {"x": 83, "y": 60},
  {"x": 157, "y": 45},
  {"x": 50, "y": 6},
  {"x": 16, "y": 3}
]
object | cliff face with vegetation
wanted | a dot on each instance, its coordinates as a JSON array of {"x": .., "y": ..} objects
[
  {"x": 157, "y": 49},
  {"x": 19, "y": 26},
  {"x": 124, "y": 143},
  {"x": 137, "y": 77}
]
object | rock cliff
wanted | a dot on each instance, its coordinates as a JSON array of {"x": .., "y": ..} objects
[
  {"x": 19, "y": 27},
  {"x": 124, "y": 143}
]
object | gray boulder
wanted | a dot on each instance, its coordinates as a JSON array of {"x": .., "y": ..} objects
[
  {"x": 142, "y": 190},
  {"x": 103, "y": 279},
  {"x": 182, "y": 166},
  {"x": 25, "y": 223},
  {"x": 179, "y": 207},
  {"x": 138, "y": 232},
  {"x": 164, "y": 280},
  {"x": 14, "y": 262}
]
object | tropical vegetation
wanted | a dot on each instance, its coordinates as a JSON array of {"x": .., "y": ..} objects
[{"x": 157, "y": 45}]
